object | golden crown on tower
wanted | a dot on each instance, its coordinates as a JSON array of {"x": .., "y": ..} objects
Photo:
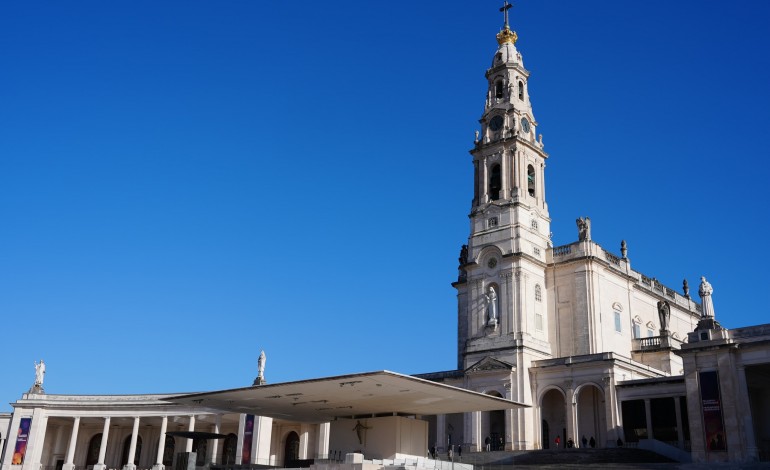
[{"x": 506, "y": 35}]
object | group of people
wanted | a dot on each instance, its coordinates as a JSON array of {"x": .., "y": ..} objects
[
  {"x": 570, "y": 443},
  {"x": 432, "y": 453}
]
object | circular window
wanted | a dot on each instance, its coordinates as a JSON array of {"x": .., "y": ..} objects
[{"x": 492, "y": 263}]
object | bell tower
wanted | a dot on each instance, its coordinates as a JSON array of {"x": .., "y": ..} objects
[{"x": 502, "y": 304}]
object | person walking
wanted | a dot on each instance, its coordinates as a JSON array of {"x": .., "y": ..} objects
[{"x": 557, "y": 441}]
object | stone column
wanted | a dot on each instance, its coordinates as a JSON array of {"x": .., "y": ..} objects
[
  {"x": 512, "y": 174},
  {"x": 239, "y": 444},
  {"x": 304, "y": 436},
  {"x": 215, "y": 442},
  {"x": 752, "y": 453},
  {"x": 191, "y": 428},
  {"x": 440, "y": 434},
  {"x": 69, "y": 461},
  {"x": 322, "y": 441},
  {"x": 103, "y": 445},
  {"x": 484, "y": 182},
  {"x": 679, "y": 430},
  {"x": 542, "y": 187},
  {"x": 13, "y": 432},
  {"x": 161, "y": 445},
  {"x": 572, "y": 427},
  {"x": 132, "y": 448},
  {"x": 477, "y": 441},
  {"x": 504, "y": 181},
  {"x": 648, "y": 414},
  {"x": 36, "y": 440},
  {"x": 261, "y": 440}
]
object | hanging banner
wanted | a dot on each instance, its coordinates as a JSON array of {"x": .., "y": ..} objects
[
  {"x": 21, "y": 441},
  {"x": 713, "y": 425},
  {"x": 248, "y": 433}
]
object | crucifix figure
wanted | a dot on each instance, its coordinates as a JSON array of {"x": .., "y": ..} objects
[
  {"x": 506, "y": 6},
  {"x": 360, "y": 430}
]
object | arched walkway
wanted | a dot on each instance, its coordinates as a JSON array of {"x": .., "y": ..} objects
[
  {"x": 553, "y": 418},
  {"x": 591, "y": 422}
]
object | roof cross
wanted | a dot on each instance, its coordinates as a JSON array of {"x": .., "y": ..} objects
[{"x": 506, "y": 6}]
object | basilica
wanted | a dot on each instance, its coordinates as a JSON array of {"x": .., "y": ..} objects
[{"x": 556, "y": 345}]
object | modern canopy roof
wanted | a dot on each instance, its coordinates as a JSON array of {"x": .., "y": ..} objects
[{"x": 324, "y": 399}]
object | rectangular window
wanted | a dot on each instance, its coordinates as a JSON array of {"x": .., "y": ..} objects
[
  {"x": 650, "y": 333},
  {"x": 637, "y": 331},
  {"x": 538, "y": 322},
  {"x": 617, "y": 322}
]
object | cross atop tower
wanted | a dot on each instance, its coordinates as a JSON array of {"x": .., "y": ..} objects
[{"x": 506, "y": 6}]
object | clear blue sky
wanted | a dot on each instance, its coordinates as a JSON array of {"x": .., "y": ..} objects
[{"x": 185, "y": 183}]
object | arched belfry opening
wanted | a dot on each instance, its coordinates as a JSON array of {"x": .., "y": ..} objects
[
  {"x": 521, "y": 90},
  {"x": 531, "y": 180},
  {"x": 499, "y": 89},
  {"x": 495, "y": 183}
]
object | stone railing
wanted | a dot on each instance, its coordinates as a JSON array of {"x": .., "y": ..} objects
[
  {"x": 562, "y": 250},
  {"x": 612, "y": 258},
  {"x": 655, "y": 342}
]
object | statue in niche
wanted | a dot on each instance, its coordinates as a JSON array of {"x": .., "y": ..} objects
[
  {"x": 584, "y": 228},
  {"x": 491, "y": 299},
  {"x": 705, "y": 292},
  {"x": 664, "y": 313},
  {"x": 39, "y": 373}
]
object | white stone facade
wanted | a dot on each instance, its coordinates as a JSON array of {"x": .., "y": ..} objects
[{"x": 576, "y": 331}]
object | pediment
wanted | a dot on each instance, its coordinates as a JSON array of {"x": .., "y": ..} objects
[{"x": 490, "y": 364}]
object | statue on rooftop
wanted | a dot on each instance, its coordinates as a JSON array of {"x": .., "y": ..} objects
[
  {"x": 261, "y": 365},
  {"x": 39, "y": 373},
  {"x": 664, "y": 313},
  {"x": 584, "y": 228},
  {"x": 686, "y": 288},
  {"x": 705, "y": 292}
]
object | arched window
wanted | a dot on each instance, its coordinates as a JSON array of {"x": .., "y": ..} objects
[
  {"x": 495, "y": 183},
  {"x": 228, "y": 449},
  {"x": 538, "y": 293},
  {"x": 521, "y": 90},
  {"x": 531, "y": 180},
  {"x": 168, "y": 451},
  {"x": 499, "y": 89},
  {"x": 127, "y": 447},
  {"x": 92, "y": 458}
]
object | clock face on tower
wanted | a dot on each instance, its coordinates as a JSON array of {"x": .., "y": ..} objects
[
  {"x": 496, "y": 123},
  {"x": 525, "y": 124}
]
